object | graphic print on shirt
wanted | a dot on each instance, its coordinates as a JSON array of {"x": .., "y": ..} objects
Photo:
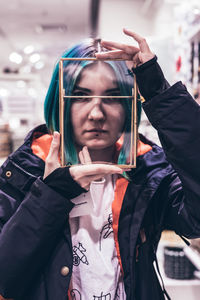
[
  {"x": 79, "y": 255},
  {"x": 75, "y": 295},
  {"x": 106, "y": 230},
  {"x": 102, "y": 297},
  {"x": 117, "y": 293}
]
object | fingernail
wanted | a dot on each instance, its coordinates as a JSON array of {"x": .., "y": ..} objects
[
  {"x": 56, "y": 135},
  {"x": 120, "y": 171}
]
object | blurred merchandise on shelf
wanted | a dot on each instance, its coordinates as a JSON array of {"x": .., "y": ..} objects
[
  {"x": 176, "y": 263},
  {"x": 5, "y": 140},
  {"x": 195, "y": 243},
  {"x": 187, "y": 46},
  {"x": 193, "y": 254},
  {"x": 174, "y": 268},
  {"x": 21, "y": 108}
]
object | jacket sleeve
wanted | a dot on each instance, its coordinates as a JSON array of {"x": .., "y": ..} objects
[
  {"x": 176, "y": 116},
  {"x": 30, "y": 227}
]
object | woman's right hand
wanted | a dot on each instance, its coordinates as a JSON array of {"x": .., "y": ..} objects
[{"x": 138, "y": 55}]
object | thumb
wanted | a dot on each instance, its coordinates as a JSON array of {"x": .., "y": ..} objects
[{"x": 55, "y": 145}]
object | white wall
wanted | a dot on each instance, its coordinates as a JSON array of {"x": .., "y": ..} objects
[{"x": 154, "y": 23}]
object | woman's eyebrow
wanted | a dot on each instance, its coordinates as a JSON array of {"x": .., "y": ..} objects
[
  {"x": 77, "y": 87},
  {"x": 114, "y": 90},
  {"x": 108, "y": 91}
]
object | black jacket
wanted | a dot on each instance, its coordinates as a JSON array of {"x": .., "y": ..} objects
[{"x": 35, "y": 241}]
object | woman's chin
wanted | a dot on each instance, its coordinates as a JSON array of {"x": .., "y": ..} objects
[{"x": 97, "y": 145}]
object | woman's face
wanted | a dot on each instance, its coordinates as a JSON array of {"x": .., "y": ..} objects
[{"x": 97, "y": 122}]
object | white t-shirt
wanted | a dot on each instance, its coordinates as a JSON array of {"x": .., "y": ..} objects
[{"x": 96, "y": 270}]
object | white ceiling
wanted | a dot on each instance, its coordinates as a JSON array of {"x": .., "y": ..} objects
[
  {"x": 49, "y": 25},
  {"x": 52, "y": 25}
]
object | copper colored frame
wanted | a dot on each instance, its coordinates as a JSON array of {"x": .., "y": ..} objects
[{"x": 134, "y": 127}]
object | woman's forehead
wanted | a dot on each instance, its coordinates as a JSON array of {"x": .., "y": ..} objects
[{"x": 98, "y": 70}]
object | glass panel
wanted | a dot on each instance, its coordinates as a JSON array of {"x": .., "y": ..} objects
[{"x": 98, "y": 109}]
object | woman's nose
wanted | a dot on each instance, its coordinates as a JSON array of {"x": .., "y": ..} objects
[{"x": 96, "y": 113}]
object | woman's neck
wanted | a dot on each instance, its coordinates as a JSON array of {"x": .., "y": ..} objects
[{"x": 102, "y": 155}]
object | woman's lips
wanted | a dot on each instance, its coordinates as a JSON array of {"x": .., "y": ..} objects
[
  {"x": 91, "y": 133},
  {"x": 96, "y": 130}
]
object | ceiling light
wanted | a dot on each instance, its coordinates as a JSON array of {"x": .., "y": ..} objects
[
  {"x": 21, "y": 84},
  {"x": 39, "y": 65},
  {"x": 34, "y": 58},
  {"x": 15, "y": 57},
  {"x": 29, "y": 49}
]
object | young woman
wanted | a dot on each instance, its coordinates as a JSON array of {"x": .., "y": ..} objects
[{"x": 90, "y": 230}]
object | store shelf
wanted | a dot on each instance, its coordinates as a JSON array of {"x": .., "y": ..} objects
[
  {"x": 177, "y": 289},
  {"x": 194, "y": 32}
]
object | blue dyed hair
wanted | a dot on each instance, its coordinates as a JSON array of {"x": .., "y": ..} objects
[{"x": 71, "y": 72}]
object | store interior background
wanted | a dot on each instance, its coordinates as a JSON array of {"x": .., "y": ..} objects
[{"x": 33, "y": 34}]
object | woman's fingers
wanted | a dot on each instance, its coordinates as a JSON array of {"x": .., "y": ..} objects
[
  {"x": 81, "y": 157},
  {"x": 114, "y": 54},
  {"x": 87, "y": 173},
  {"x": 84, "y": 156},
  {"x": 128, "y": 49},
  {"x": 110, "y": 48},
  {"x": 144, "y": 47},
  {"x": 134, "y": 35},
  {"x": 55, "y": 145},
  {"x": 52, "y": 161},
  {"x": 94, "y": 169},
  {"x": 138, "y": 55}
]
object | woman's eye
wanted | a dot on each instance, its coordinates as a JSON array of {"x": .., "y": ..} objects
[
  {"x": 112, "y": 100},
  {"x": 81, "y": 97}
]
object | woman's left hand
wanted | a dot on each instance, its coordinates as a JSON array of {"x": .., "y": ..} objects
[
  {"x": 136, "y": 55},
  {"x": 87, "y": 172}
]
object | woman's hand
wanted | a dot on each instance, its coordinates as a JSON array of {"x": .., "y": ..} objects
[
  {"x": 137, "y": 55},
  {"x": 83, "y": 174},
  {"x": 52, "y": 160},
  {"x": 87, "y": 172}
]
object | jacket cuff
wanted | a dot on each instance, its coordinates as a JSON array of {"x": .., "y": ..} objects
[
  {"x": 150, "y": 79},
  {"x": 61, "y": 181},
  {"x": 40, "y": 190}
]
